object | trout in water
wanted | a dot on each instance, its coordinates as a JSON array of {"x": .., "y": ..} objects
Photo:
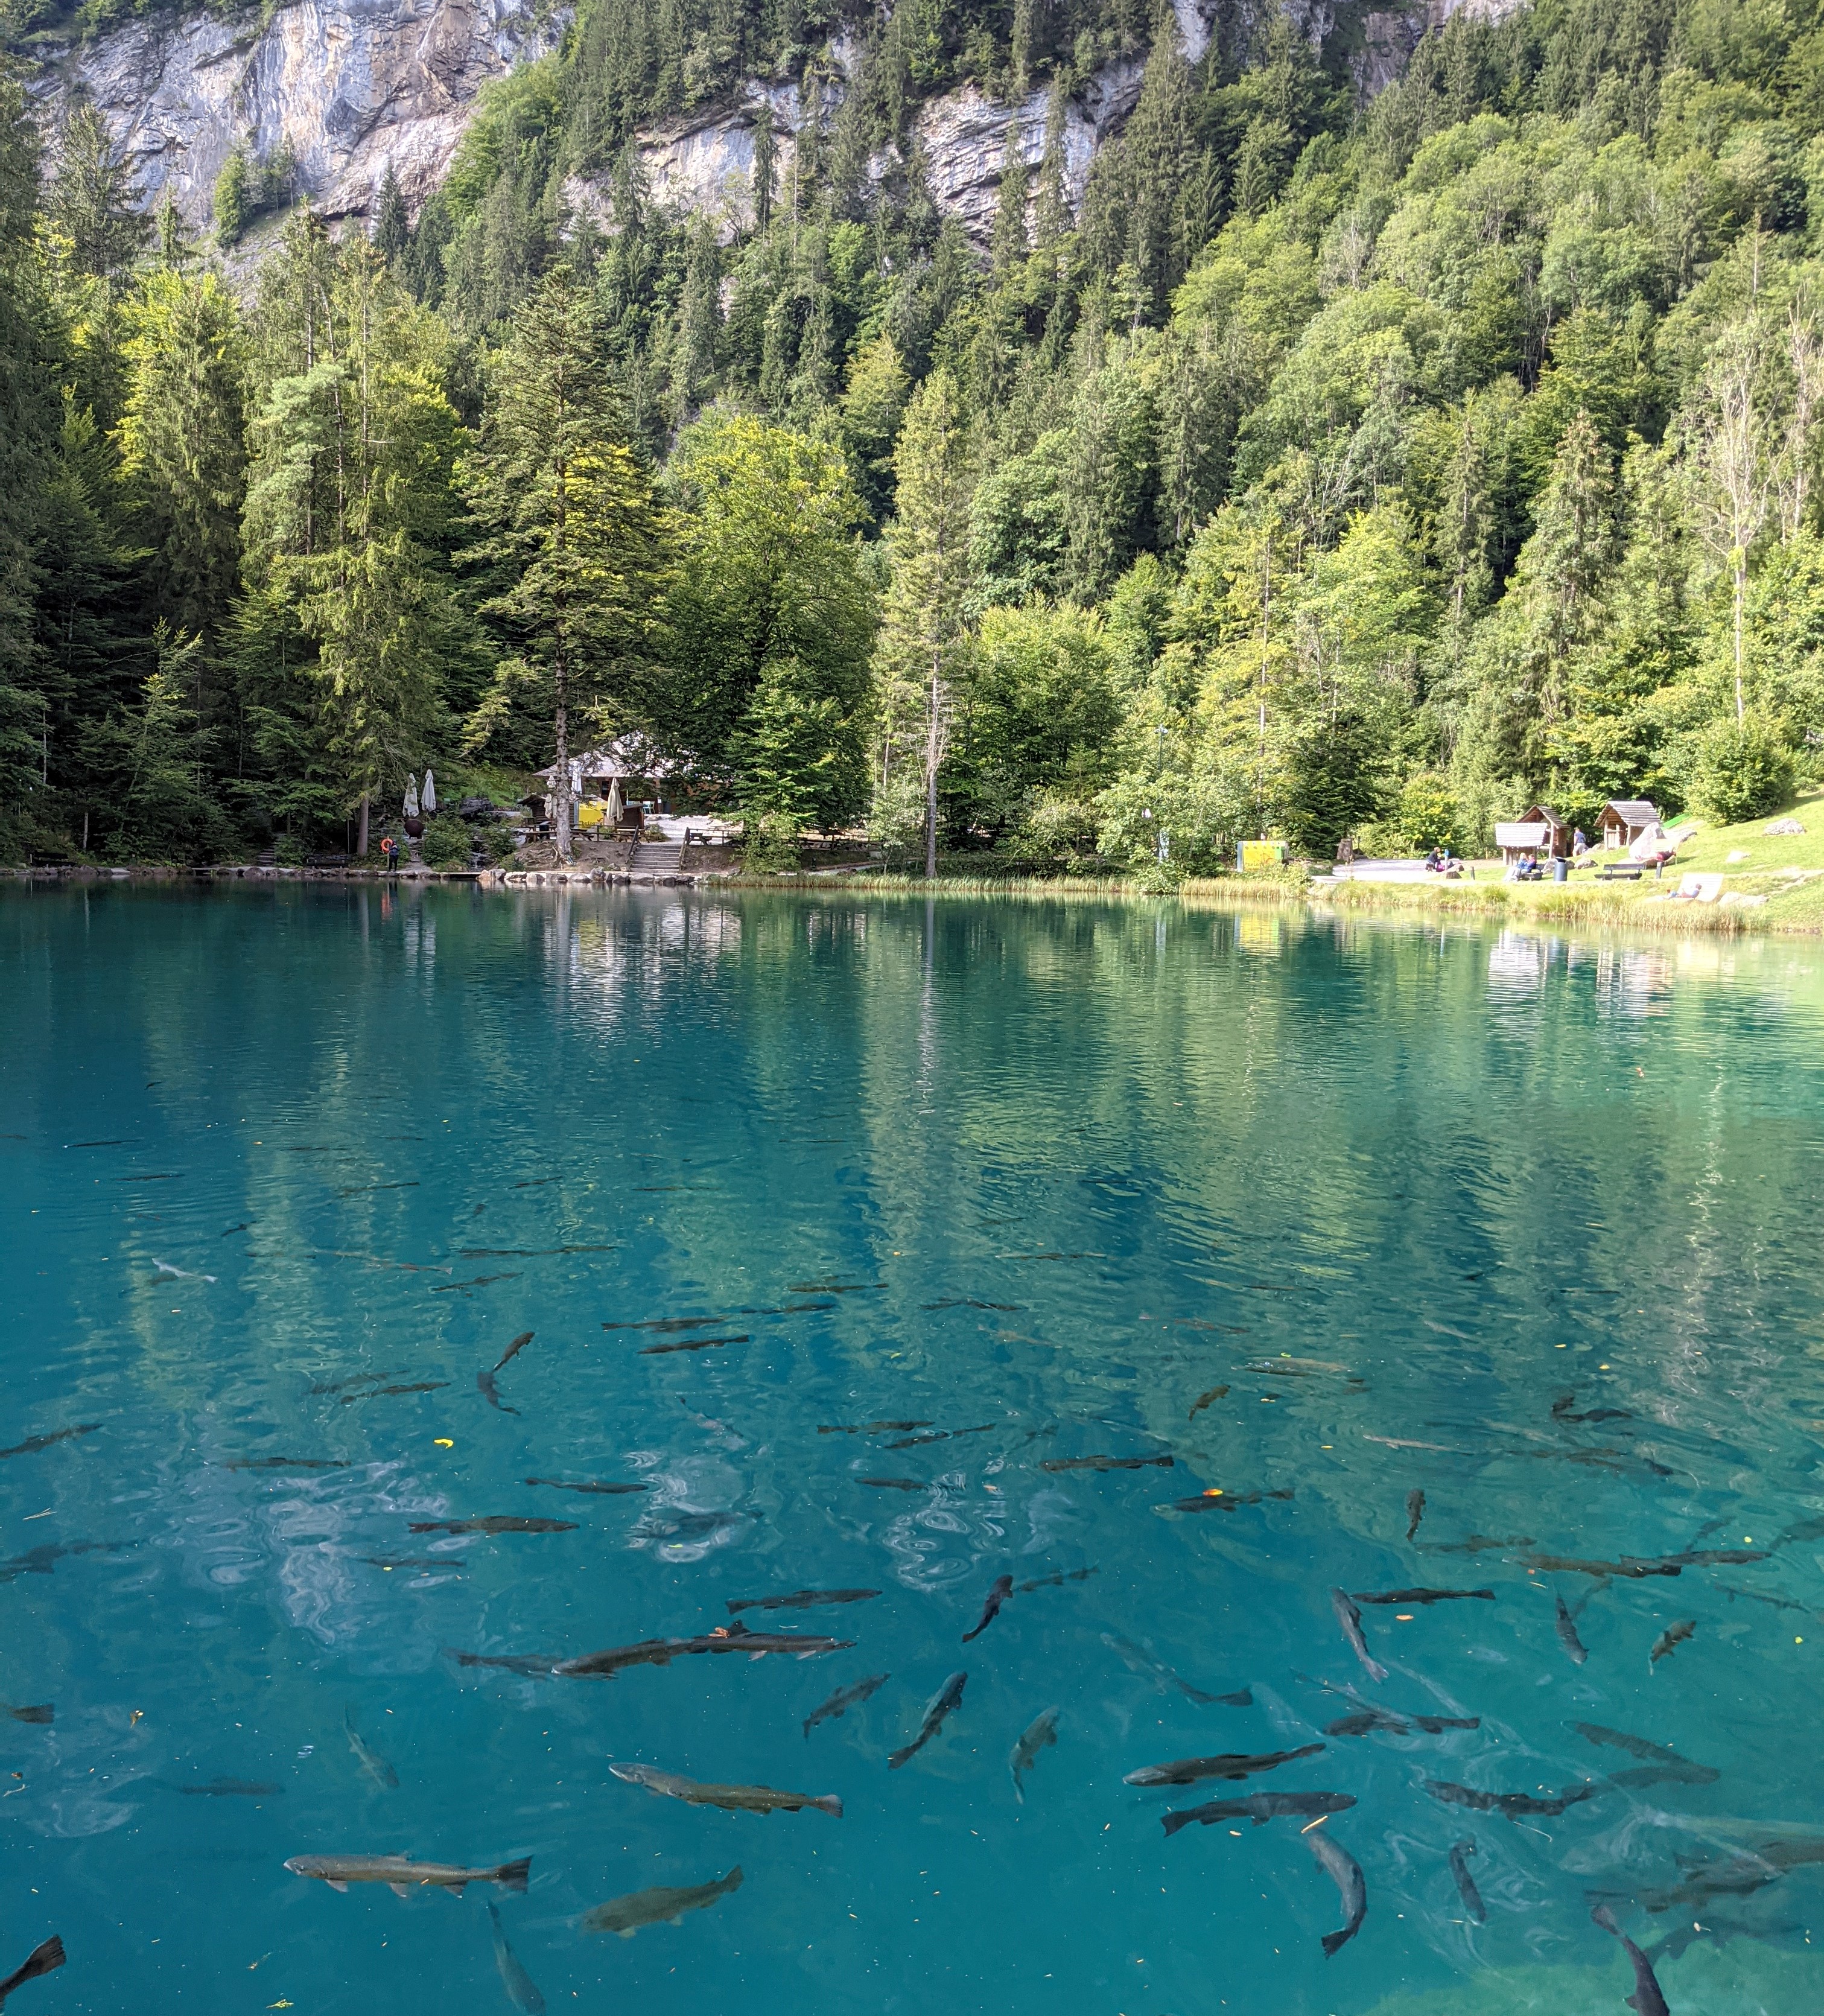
[
  {"x": 662, "y": 1905},
  {"x": 522, "y": 1991},
  {"x": 736, "y": 1798},
  {"x": 1188, "y": 1770},
  {"x": 1459, "y": 1868},
  {"x": 1040, "y": 1735},
  {"x": 1350, "y": 1618},
  {"x": 1345, "y": 1872},
  {"x": 845, "y": 1699},
  {"x": 1260, "y": 1807},
  {"x": 370, "y": 1761},
  {"x": 40, "y": 1960},
  {"x": 402, "y": 1875},
  {"x": 942, "y": 1704}
]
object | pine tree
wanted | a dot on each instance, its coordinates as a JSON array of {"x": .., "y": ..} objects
[
  {"x": 928, "y": 548},
  {"x": 392, "y": 223},
  {"x": 95, "y": 199},
  {"x": 765, "y": 165},
  {"x": 572, "y": 531},
  {"x": 181, "y": 442}
]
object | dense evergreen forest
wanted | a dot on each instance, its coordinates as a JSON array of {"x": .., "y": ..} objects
[{"x": 1337, "y": 466}]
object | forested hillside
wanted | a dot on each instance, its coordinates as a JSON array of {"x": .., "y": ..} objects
[{"x": 1336, "y": 465}]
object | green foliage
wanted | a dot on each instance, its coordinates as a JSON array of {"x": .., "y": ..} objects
[
  {"x": 1320, "y": 464},
  {"x": 445, "y": 844},
  {"x": 1743, "y": 769}
]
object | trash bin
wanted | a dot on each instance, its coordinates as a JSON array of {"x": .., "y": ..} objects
[{"x": 1558, "y": 868}]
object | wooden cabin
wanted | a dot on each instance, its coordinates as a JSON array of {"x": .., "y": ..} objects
[
  {"x": 1538, "y": 831},
  {"x": 1624, "y": 820}
]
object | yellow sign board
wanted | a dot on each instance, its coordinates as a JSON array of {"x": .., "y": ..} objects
[{"x": 1252, "y": 856}]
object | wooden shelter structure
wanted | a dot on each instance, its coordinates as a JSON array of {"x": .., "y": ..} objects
[
  {"x": 1538, "y": 831},
  {"x": 1624, "y": 820}
]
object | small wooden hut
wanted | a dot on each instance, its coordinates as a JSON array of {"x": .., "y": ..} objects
[
  {"x": 1624, "y": 820},
  {"x": 1538, "y": 831}
]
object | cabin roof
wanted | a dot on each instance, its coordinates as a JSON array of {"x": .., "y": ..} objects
[{"x": 1636, "y": 812}]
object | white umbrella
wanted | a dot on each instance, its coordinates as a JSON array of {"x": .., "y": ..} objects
[
  {"x": 428, "y": 796},
  {"x": 617, "y": 804},
  {"x": 411, "y": 797}
]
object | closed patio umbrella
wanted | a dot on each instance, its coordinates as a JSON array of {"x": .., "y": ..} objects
[
  {"x": 616, "y": 805},
  {"x": 428, "y": 796},
  {"x": 411, "y": 797}
]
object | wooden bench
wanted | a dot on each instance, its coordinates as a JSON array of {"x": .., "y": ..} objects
[{"x": 1620, "y": 871}]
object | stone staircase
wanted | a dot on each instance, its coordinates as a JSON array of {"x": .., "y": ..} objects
[{"x": 657, "y": 857}]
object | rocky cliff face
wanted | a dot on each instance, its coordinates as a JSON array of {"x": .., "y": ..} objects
[{"x": 347, "y": 88}]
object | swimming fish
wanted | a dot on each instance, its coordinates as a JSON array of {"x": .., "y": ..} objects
[
  {"x": 942, "y": 1704},
  {"x": 485, "y": 1385},
  {"x": 521, "y": 1991},
  {"x": 402, "y": 1875},
  {"x": 893, "y": 1483},
  {"x": 1562, "y": 1406},
  {"x": 687, "y": 1525},
  {"x": 736, "y": 1798},
  {"x": 1040, "y": 1735},
  {"x": 1110, "y": 1463},
  {"x": 454, "y": 1562},
  {"x": 1632, "y": 1567},
  {"x": 1220, "y": 1501},
  {"x": 875, "y": 1428},
  {"x": 1296, "y": 1368},
  {"x": 844, "y": 1699},
  {"x": 604, "y": 1665},
  {"x": 1635, "y": 1746},
  {"x": 370, "y": 1760},
  {"x": 1188, "y": 1770},
  {"x": 1350, "y": 1618},
  {"x": 1054, "y": 1581},
  {"x": 30, "y": 1446},
  {"x": 1415, "y": 1511},
  {"x": 1203, "y": 1399},
  {"x": 661, "y": 1906},
  {"x": 1162, "y": 1675},
  {"x": 380, "y": 1392},
  {"x": 1669, "y": 1639},
  {"x": 41, "y": 1960},
  {"x": 513, "y": 1349},
  {"x": 1568, "y": 1637},
  {"x": 1646, "y": 1999},
  {"x": 1423, "y": 1595},
  {"x": 43, "y": 1561},
  {"x": 1467, "y": 1889},
  {"x": 498, "y": 1524},
  {"x": 997, "y": 1596},
  {"x": 1478, "y": 1543},
  {"x": 1260, "y": 1807},
  {"x": 940, "y": 1435},
  {"x": 229, "y": 1788},
  {"x": 692, "y": 1344},
  {"x": 43, "y": 1711},
  {"x": 286, "y": 1463},
  {"x": 1345, "y": 1872},
  {"x": 1675, "y": 1771},
  {"x": 1509, "y": 1803},
  {"x": 1366, "y": 1721},
  {"x": 608, "y": 1490},
  {"x": 802, "y": 1599}
]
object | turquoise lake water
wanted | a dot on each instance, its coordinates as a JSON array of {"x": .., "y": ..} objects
[{"x": 284, "y": 1172}]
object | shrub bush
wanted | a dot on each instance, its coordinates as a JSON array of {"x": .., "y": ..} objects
[
  {"x": 1743, "y": 769},
  {"x": 445, "y": 844}
]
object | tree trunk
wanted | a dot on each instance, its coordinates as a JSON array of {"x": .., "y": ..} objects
[
  {"x": 361, "y": 835},
  {"x": 560, "y": 782},
  {"x": 1741, "y": 597},
  {"x": 931, "y": 782}
]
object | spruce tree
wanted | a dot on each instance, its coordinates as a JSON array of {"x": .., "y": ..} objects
[
  {"x": 928, "y": 548},
  {"x": 571, "y": 531}
]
